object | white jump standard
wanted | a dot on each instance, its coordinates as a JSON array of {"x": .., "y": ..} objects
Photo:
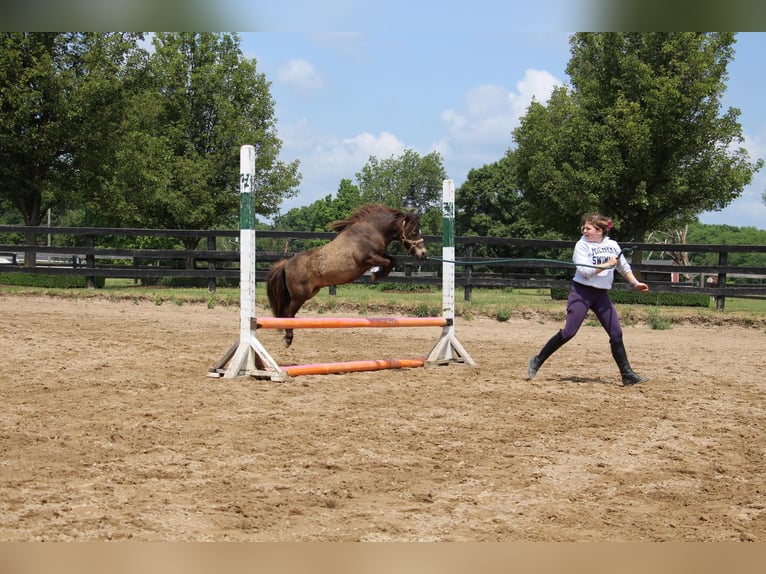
[{"x": 248, "y": 357}]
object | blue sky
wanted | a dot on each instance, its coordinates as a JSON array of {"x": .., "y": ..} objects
[
  {"x": 342, "y": 97},
  {"x": 452, "y": 77}
]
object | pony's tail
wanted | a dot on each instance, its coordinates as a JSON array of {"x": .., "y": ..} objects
[{"x": 276, "y": 288}]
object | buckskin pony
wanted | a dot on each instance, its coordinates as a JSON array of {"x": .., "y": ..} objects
[{"x": 360, "y": 245}]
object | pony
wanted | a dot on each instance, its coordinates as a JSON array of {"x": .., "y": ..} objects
[{"x": 360, "y": 245}]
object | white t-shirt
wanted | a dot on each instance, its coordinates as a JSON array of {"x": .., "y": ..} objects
[{"x": 588, "y": 253}]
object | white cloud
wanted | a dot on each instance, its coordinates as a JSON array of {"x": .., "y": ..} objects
[
  {"x": 480, "y": 133},
  {"x": 537, "y": 84},
  {"x": 748, "y": 210},
  {"x": 492, "y": 112},
  {"x": 343, "y": 158},
  {"x": 755, "y": 145},
  {"x": 327, "y": 160},
  {"x": 300, "y": 76},
  {"x": 296, "y": 138}
]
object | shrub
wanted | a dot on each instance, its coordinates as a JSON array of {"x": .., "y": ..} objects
[
  {"x": 197, "y": 282},
  {"x": 49, "y": 281},
  {"x": 405, "y": 287},
  {"x": 657, "y": 321},
  {"x": 424, "y": 310},
  {"x": 503, "y": 314},
  {"x": 651, "y": 298}
]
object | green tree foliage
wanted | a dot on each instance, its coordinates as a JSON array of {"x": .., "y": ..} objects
[
  {"x": 348, "y": 198},
  {"x": 702, "y": 234},
  {"x": 111, "y": 70},
  {"x": 178, "y": 158},
  {"x": 60, "y": 98},
  {"x": 318, "y": 215},
  {"x": 388, "y": 181},
  {"x": 638, "y": 136},
  {"x": 8, "y": 214},
  {"x": 42, "y": 79},
  {"x": 106, "y": 132},
  {"x": 490, "y": 204}
]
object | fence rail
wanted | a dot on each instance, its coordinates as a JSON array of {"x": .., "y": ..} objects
[{"x": 76, "y": 250}]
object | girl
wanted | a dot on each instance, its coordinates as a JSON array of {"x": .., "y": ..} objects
[{"x": 596, "y": 256}]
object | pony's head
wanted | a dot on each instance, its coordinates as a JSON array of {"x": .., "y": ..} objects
[{"x": 411, "y": 237}]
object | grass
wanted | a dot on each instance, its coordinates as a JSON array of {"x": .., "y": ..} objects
[
  {"x": 499, "y": 304},
  {"x": 657, "y": 320}
]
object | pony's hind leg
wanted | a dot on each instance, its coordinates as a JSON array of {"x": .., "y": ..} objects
[{"x": 296, "y": 302}]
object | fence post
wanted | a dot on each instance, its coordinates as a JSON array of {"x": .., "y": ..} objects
[
  {"x": 211, "y": 280},
  {"x": 90, "y": 260},
  {"x": 720, "y": 300},
  {"x": 467, "y": 272}
]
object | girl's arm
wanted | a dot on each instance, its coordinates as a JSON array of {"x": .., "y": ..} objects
[{"x": 637, "y": 285}]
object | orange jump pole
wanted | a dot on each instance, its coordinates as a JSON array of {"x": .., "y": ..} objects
[
  {"x": 352, "y": 366},
  {"x": 346, "y": 322}
]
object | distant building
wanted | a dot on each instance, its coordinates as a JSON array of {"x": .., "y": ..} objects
[{"x": 668, "y": 276}]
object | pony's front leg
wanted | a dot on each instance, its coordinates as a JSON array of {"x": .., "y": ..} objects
[{"x": 385, "y": 264}]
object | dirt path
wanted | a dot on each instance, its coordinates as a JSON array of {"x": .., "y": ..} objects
[{"x": 110, "y": 429}]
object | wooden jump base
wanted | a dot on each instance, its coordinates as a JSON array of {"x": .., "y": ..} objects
[
  {"x": 346, "y": 322},
  {"x": 352, "y": 366},
  {"x": 445, "y": 351},
  {"x": 249, "y": 357}
]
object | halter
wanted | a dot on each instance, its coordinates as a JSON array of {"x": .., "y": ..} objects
[{"x": 410, "y": 244}]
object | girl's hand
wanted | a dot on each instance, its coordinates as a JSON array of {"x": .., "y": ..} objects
[
  {"x": 611, "y": 262},
  {"x": 641, "y": 286}
]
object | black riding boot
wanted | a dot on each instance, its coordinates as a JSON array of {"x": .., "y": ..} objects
[
  {"x": 621, "y": 358},
  {"x": 553, "y": 344}
]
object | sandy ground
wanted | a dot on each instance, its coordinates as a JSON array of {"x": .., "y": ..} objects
[{"x": 111, "y": 429}]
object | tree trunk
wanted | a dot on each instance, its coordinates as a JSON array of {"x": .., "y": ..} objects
[
  {"x": 635, "y": 259},
  {"x": 190, "y": 243},
  {"x": 30, "y": 247}
]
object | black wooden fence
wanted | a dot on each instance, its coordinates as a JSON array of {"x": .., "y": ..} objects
[{"x": 532, "y": 263}]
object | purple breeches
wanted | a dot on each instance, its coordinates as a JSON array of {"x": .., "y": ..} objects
[{"x": 583, "y": 298}]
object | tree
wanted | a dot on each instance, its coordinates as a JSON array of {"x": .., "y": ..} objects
[
  {"x": 59, "y": 93},
  {"x": 34, "y": 134},
  {"x": 638, "y": 136},
  {"x": 319, "y": 214},
  {"x": 672, "y": 238},
  {"x": 489, "y": 203},
  {"x": 709, "y": 234},
  {"x": 178, "y": 160},
  {"x": 389, "y": 181}
]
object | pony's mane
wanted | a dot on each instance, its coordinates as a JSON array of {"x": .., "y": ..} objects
[{"x": 365, "y": 212}]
